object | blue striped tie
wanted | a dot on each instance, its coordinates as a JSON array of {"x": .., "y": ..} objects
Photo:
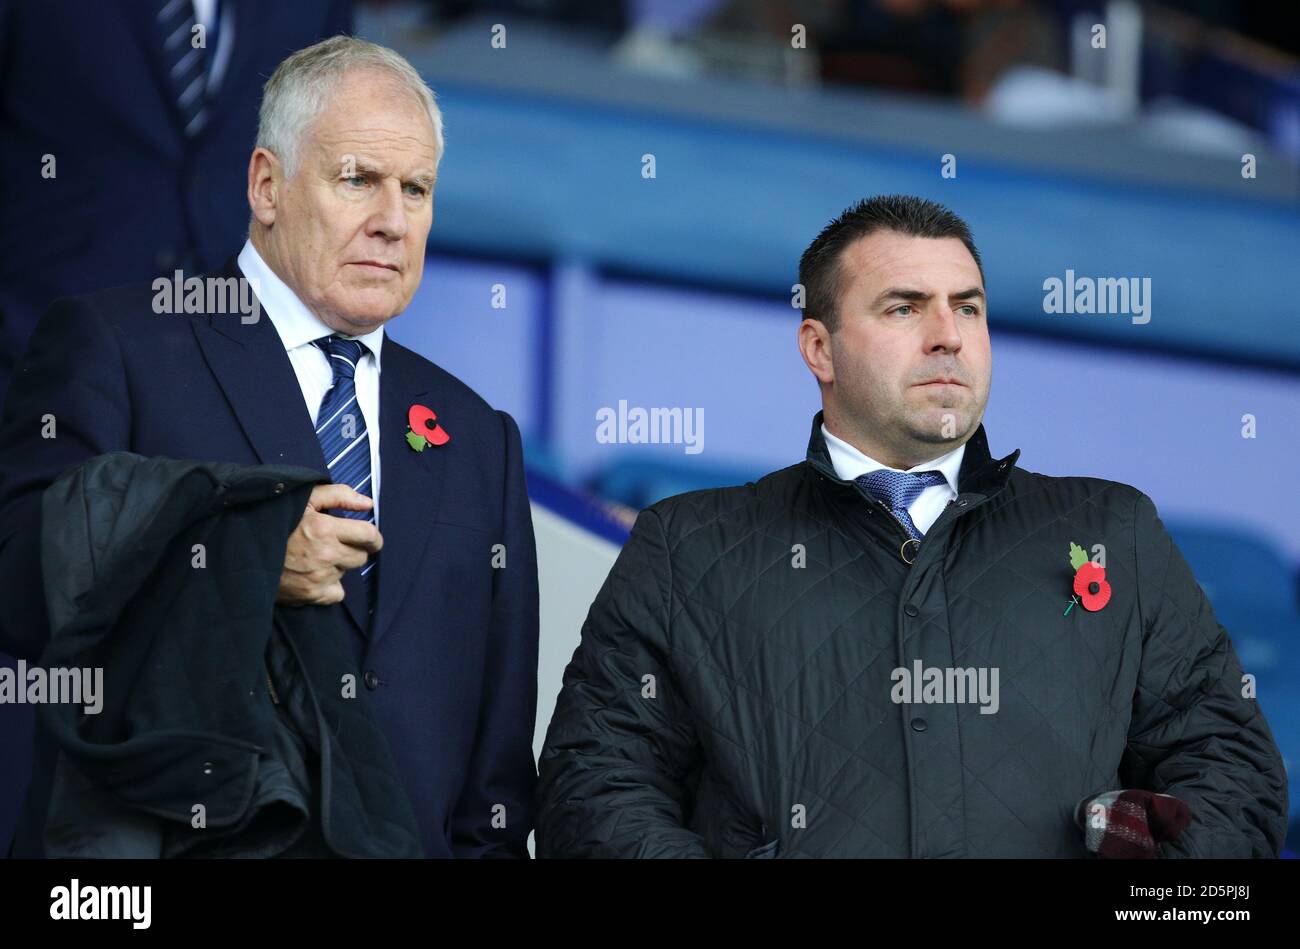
[
  {"x": 341, "y": 428},
  {"x": 186, "y": 63},
  {"x": 898, "y": 489}
]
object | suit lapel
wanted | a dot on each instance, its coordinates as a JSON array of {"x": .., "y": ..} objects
[
  {"x": 254, "y": 372},
  {"x": 410, "y": 487}
]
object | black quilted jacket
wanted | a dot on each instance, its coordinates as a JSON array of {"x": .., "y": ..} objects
[
  {"x": 213, "y": 694},
  {"x": 734, "y": 691}
]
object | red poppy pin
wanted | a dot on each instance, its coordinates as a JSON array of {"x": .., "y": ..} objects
[
  {"x": 423, "y": 428},
  {"x": 1090, "y": 586}
]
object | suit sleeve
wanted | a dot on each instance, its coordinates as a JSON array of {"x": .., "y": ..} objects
[
  {"x": 615, "y": 766},
  {"x": 494, "y": 814},
  {"x": 1193, "y": 735},
  {"x": 68, "y": 402}
]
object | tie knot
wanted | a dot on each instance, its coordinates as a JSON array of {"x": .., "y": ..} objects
[
  {"x": 898, "y": 489},
  {"x": 343, "y": 354}
]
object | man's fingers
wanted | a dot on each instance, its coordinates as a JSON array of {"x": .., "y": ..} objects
[
  {"x": 335, "y": 594},
  {"x": 327, "y": 497},
  {"x": 324, "y": 546},
  {"x": 350, "y": 558},
  {"x": 360, "y": 534}
]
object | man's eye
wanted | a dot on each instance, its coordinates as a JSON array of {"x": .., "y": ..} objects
[
  {"x": 418, "y": 191},
  {"x": 971, "y": 310},
  {"x": 899, "y": 310},
  {"x": 355, "y": 181}
]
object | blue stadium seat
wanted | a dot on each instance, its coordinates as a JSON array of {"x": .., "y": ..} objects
[
  {"x": 1254, "y": 597},
  {"x": 1230, "y": 561},
  {"x": 640, "y": 484}
]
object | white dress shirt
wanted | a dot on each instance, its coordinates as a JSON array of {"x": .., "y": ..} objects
[
  {"x": 851, "y": 464},
  {"x": 297, "y": 327}
]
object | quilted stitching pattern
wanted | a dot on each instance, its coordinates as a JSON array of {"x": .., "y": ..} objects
[
  {"x": 771, "y": 683},
  {"x": 186, "y": 717}
]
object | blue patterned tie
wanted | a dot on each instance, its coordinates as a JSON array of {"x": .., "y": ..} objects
[
  {"x": 186, "y": 63},
  {"x": 341, "y": 428},
  {"x": 898, "y": 489}
]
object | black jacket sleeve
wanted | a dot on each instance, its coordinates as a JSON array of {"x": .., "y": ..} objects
[
  {"x": 1193, "y": 735},
  {"x": 621, "y": 743}
]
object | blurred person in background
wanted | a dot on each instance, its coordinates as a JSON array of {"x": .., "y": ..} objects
[
  {"x": 605, "y": 18},
  {"x": 937, "y": 47},
  {"x": 124, "y": 125}
]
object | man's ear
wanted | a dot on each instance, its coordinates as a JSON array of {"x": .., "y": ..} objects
[
  {"x": 815, "y": 347},
  {"x": 264, "y": 177}
]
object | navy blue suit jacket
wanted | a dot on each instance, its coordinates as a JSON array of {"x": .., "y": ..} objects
[
  {"x": 450, "y": 655},
  {"x": 133, "y": 198}
]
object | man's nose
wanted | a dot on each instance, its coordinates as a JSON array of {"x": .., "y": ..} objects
[
  {"x": 941, "y": 330},
  {"x": 389, "y": 218}
]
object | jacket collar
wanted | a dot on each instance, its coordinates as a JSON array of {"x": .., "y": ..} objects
[
  {"x": 980, "y": 473},
  {"x": 293, "y": 321}
]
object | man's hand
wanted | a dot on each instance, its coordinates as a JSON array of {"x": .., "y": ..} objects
[
  {"x": 324, "y": 547},
  {"x": 1131, "y": 824}
]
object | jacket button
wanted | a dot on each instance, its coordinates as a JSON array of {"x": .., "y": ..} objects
[
  {"x": 961, "y": 503},
  {"x": 279, "y": 488},
  {"x": 371, "y": 680},
  {"x": 910, "y": 610},
  {"x": 918, "y": 725}
]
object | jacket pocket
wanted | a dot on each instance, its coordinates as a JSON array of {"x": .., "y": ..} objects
[{"x": 766, "y": 852}]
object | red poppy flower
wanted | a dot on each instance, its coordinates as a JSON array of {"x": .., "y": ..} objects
[
  {"x": 424, "y": 422},
  {"x": 1091, "y": 586}
]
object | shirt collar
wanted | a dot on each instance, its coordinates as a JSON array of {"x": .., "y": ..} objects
[
  {"x": 297, "y": 325},
  {"x": 851, "y": 464}
]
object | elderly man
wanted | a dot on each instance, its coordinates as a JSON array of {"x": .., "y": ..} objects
[
  {"x": 905, "y": 646},
  {"x": 442, "y": 607}
]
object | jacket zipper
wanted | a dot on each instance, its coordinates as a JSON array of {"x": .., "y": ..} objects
[
  {"x": 816, "y": 466},
  {"x": 894, "y": 517}
]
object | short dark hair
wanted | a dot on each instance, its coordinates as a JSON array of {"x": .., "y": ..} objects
[{"x": 819, "y": 267}]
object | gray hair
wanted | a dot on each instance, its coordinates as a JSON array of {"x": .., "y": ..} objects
[{"x": 295, "y": 95}]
